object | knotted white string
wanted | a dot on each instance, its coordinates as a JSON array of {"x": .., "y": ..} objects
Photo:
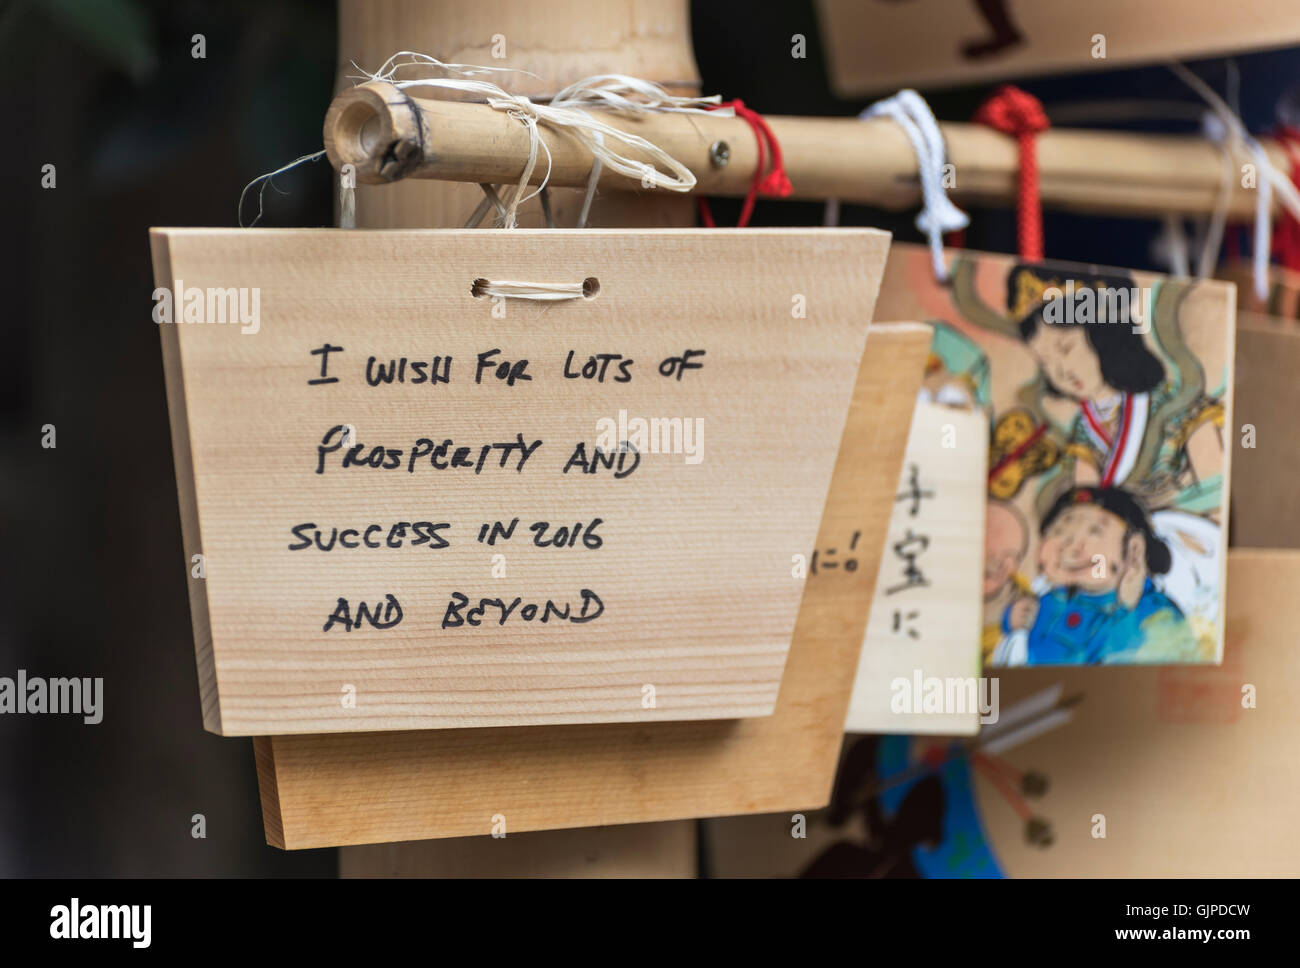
[
  {"x": 1171, "y": 246},
  {"x": 611, "y": 92},
  {"x": 1216, "y": 133},
  {"x": 1268, "y": 178},
  {"x": 592, "y": 179},
  {"x": 266, "y": 180},
  {"x": 938, "y": 214}
]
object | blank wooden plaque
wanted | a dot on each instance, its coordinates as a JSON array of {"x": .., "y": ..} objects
[
  {"x": 354, "y": 788},
  {"x": 638, "y": 850},
  {"x": 690, "y": 561},
  {"x": 1192, "y": 767},
  {"x": 1266, "y": 452},
  {"x": 882, "y": 45},
  {"x": 1191, "y": 780}
]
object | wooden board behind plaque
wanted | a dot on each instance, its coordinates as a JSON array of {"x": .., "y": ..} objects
[{"x": 354, "y": 788}]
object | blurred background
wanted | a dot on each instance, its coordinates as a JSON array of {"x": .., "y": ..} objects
[{"x": 141, "y": 133}]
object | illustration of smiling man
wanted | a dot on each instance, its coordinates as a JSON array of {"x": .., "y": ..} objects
[{"x": 1096, "y": 600}]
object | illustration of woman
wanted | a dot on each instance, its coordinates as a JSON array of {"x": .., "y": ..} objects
[{"x": 1118, "y": 382}]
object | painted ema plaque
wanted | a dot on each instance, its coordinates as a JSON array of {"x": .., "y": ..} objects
[{"x": 435, "y": 479}]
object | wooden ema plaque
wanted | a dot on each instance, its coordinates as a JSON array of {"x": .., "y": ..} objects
[
  {"x": 359, "y": 788},
  {"x": 1187, "y": 772},
  {"x": 1266, "y": 454},
  {"x": 412, "y": 500},
  {"x": 877, "y": 46},
  {"x": 1110, "y": 401},
  {"x": 1150, "y": 749}
]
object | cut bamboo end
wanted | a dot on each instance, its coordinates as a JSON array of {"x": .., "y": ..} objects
[{"x": 376, "y": 128}]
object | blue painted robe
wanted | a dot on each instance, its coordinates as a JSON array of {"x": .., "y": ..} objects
[{"x": 1084, "y": 628}]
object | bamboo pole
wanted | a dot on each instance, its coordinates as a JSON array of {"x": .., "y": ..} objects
[
  {"x": 389, "y": 135},
  {"x": 547, "y": 44},
  {"x": 551, "y": 43}
]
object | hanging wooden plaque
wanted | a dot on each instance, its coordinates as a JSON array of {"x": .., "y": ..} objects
[
  {"x": 1282, "y": 300},
  {"x": 1110, "y": 394},
  {"x": 1266, "y": 448},
  {"x": 423, "y": 497},
  {"x": 877, "y": 46},
  {"x": 1145, "y": 756}
]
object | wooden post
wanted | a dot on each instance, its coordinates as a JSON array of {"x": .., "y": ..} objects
[{"x": 559, "y": 41}]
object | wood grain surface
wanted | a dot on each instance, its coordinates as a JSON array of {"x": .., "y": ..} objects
[
  {"x": 354, "y": 788},
  {"x": 664, "y": 595}
]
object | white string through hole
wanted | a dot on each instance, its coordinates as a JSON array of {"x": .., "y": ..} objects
[{"x": 538, "y": 291}]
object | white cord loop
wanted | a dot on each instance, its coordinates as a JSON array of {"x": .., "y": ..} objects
[{"x": 938, "y": 214}]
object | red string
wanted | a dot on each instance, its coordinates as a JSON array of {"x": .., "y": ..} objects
[
  {"x": 1232, "y": 243},
  {"x": 1002, "y": 765},
  {"x": 1008, "y": 792},
  {"x": 772, "y": 184},
  {"x": 1019, "y": 114},
  {"x": 1017, "y": 453},
  {"x": 1286, "y": 235}
]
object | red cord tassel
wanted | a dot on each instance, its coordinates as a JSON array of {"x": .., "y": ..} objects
[
  {"x": 772, "y": 184},
  {"x": 1286, "y": 234},
  {"x": 1019, "y": 114}
]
